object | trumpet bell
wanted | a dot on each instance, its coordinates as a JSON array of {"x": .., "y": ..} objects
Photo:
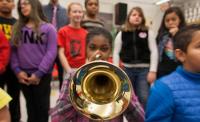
[{"x": 100, "y": 90}]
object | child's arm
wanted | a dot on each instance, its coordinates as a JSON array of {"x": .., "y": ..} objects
[
  {"x": 63, "y": 111},
  {"x": 62, "y": 40},
  {"x": 134, "y": 112},
  {"x": 4, "y": 111},
  {"x": 50, "y": 55},
  {"x": 14, "y": 60},
  {"x": 4, "y": 114},
  {"x": 160, "y": 105},
  {"x": 21, "y": 75},
  {"x": 4, "y": 52},
  {"x": 173, "y": 30},
  {"x": 117, "y": 48},
  {"x": 151, "y": 77},
  {"x": 63, "y": 60}
]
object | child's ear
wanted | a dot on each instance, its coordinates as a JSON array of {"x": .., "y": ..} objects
[{"x": 180, "y": 55}]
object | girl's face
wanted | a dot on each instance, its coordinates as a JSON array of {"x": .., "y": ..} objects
[
  {"x": 25, "y": 7},
  {"x": 172, "y": 20},
  {"x": 98, "y": 45},
  {"x": 76, "y": 13},
  {"x": 135, "y": 18},
  {"x": 92, "y": 7}
]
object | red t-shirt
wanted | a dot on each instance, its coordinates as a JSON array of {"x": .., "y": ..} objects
[{"x": 73, "y": 40}]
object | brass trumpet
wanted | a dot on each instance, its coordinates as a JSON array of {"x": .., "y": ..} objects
[{"x": 100, "y": 90}]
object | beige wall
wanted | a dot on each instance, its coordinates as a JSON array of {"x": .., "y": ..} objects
[{"x": 151, "y": 11}]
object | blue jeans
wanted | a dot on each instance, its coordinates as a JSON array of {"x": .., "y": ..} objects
[{"x": 139, "y": 82}]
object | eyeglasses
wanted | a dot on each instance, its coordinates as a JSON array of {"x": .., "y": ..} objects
[
  {"x": 25, "y": 3},
  {"x": 6, "y": 1}
]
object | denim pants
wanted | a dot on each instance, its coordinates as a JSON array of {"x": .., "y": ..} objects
[{"x": 138, "y": 77}]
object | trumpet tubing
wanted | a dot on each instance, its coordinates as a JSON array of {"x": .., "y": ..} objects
[{"x": 100, "y": 90}]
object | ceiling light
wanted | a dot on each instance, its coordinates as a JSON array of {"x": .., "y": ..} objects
[{"x": 161, "y": 2}]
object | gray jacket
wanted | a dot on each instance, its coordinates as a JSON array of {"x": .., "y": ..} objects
[{"x": 61, "y": 15}]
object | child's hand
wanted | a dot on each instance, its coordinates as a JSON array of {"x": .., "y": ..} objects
[
  {"x": 151, "y": 77},
  {"x": 23, "y": 78},
  {"x": 34, "y": 79},
  {"x": 69, "y": 74},
  {"x": 173, "y": 31}
]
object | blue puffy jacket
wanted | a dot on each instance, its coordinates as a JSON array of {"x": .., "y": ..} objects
[{"x": 175, "y": 98}]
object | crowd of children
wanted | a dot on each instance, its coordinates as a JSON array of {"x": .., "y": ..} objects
[{"x": 164, "y": 70}]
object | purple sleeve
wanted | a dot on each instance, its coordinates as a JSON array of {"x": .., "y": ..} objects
[
  {"x": 14, "y": 60},
  {"x": 134, "y": 112},
  {"x": 51, "y": 52}
]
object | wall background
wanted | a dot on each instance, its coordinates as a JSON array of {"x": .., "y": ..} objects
[{"x": 152, "y": 12}]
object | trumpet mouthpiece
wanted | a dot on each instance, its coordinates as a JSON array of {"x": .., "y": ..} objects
[{"x": 98, "y": 56}]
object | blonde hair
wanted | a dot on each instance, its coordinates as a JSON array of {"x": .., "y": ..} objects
[
  {"x": 127, "y": 25},
  {"x": 70, "y": 6}
]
